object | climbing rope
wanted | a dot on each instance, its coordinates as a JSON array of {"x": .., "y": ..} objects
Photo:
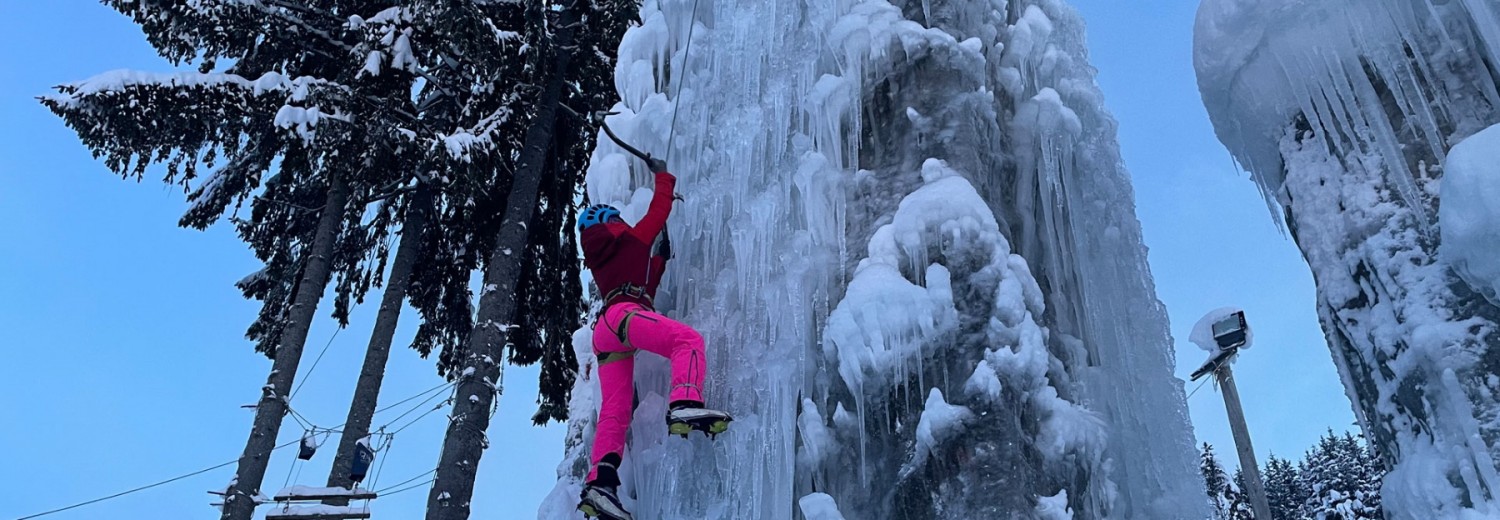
[
  {"x": 676, "y": 99},
  {"x": 681, "y": 78}
]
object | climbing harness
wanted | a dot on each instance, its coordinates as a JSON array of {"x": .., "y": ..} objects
[
  {"x": 611, "y": 357},
  {"x": 631, "y": 290},
  {"x": 622, "y": 332}
]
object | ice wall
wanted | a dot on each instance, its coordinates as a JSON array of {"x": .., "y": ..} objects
[
  {"x": 1344, "y": 111},
  {"x": 910, "y": 243}
]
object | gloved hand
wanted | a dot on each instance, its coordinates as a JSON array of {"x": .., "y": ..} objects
[{"x": 656, "y": 165}]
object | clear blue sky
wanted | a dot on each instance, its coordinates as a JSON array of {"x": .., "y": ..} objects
[
  {"x": 1212, "y": 241},
  {"x": 125, "y": 362}
]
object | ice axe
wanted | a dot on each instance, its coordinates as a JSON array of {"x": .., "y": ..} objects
[{"x": 599, "y": 118}]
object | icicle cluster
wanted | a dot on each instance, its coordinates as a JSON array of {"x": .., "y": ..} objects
[
  {"x": 910, "y": 243},
  {"x": 1345, "y": 112}
]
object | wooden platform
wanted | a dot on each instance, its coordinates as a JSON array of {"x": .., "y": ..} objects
[
  {"x": 302, "y": 503},
  {"x": 318, "y": 512},
  {"x": 318, "y": 516},
  {"x": 319, "y": 497}
]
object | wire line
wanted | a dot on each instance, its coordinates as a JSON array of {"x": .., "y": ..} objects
[
  {"x": 148, "y": 486},
  {"x": 405, "y": 482},
  {"x": 235, "y": 461},
  {"x": 314, "y": 366},
  {"x": 1200, "y": 387}
]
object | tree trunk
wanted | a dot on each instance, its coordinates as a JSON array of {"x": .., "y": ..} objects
[
  {"x": 367, "y": 390},
  {"x": 479, "y": 383},
  {"x": 240, "y": 498}
]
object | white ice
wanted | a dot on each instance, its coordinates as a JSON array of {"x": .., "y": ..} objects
[
  {"x": 885, "y": 204},
  {"x": 1470, "y": 211}
]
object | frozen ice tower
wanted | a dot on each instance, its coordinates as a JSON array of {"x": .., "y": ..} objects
[
  {"x": 1345, "y": 112},
  {"x": 910, "y": 243}
]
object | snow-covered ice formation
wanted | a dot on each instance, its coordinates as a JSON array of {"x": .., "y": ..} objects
[
  {"x": 910, "y": 242},
  {"x": 1344, "y": 111},
  {"x": 1470, "y": 211}
]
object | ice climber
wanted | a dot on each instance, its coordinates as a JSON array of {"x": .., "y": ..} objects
[{"x": 627, "y": 263}]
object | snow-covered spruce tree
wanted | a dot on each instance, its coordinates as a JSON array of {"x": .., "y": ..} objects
[
  {"x": 473, "y": 102},
  {"x": 1239, "y": 499},
  {"x": 1344, "y": 111},
  {"x": 1285, "y": 489},
  {"x": 1342, "y": 480},
  {"x": 915, "y": 263},
  {"x": 315, "y": 120},
  {"x": 1215, "y": 480},
  {"x": 573, "y": 47}
]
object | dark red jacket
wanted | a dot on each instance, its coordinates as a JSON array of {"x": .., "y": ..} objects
[{"x": 619, "y": 254}]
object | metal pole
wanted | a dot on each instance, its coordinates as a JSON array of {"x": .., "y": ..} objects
[{"x": 1253, "y": 485}]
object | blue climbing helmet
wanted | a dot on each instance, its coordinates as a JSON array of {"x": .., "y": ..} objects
[{"x": 597, "y": 214}]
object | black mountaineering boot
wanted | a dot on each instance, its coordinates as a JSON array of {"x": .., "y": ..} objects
[
  {"x": 686, "y": 416},
  {"x": 599, "y": 498},
  {"x": 601, "y": 502}
]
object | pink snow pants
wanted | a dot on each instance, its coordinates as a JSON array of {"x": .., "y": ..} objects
[{"x": 624, "y": 329}]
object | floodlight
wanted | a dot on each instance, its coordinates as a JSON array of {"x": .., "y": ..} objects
[{"x": 1231, "y": 331}]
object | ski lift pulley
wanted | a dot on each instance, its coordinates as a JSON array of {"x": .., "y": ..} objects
[
  {"x": 363, "y": 456},
  {"x": 309, "y": 446}
]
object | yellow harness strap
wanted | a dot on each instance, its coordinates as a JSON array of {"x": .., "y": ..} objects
[
  {"x": 611, "y": 357},
  {"x": 623, "y": 333}
]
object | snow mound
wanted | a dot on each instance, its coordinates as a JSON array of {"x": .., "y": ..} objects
[
  {"x": 819, "y": 506},
  {"x": 1470, "y": 211},
  {"x": 1054, "y": 507},
  {"x": 1203, "y": 331},
  {"x": 939, "y": 422}
]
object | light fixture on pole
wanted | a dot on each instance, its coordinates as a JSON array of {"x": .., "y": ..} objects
[{"x": 1224, "y": 333}]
